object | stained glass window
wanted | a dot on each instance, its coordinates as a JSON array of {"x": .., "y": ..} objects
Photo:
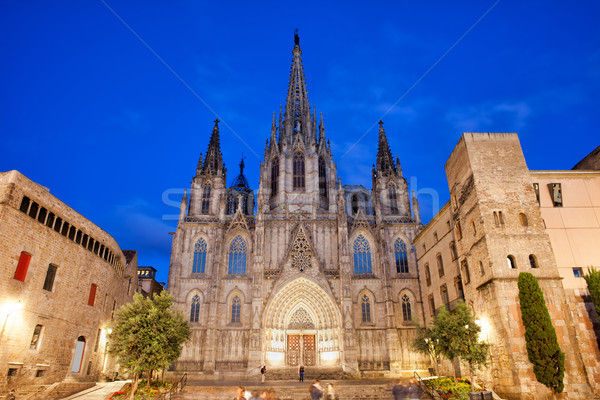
[
  {"x": 362, "y": 256},
  {"x": 406, "y": 312},
  {"x": 237, "y": 256},
  {"x": 236, "y": 307},
  {"x": 401, "y": 257},
  {"x": 199, "y": 257},
  {"x": 195, "y": 309},
  {"x": 366, "y": 308}
]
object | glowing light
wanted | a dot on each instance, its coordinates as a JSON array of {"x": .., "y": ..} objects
[
  {"x": 109, "y": 331},
  {"x": 330, "y": 357},
  {"x": 486, "y": 328},
  {"x": 275, "y": 358},
  {"x": 12, "y": 307}
]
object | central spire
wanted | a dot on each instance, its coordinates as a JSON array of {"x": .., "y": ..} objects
[{"x": 297, "y": 118}]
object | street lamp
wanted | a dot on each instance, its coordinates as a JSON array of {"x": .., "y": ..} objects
[{"x": 9, "y": 309}]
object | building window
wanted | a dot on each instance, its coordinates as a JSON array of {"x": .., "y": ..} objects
[
  {"x": 322, "y": 178},
  {"x": 427, "y": 275},
  {"x": 12, "y": 372},
  {"x": 578, "y": 272},
  {"x": 22, "y": 266},
  {"x": 401, "y": 256},
  {"x": 458, "y": 230},
  {"x": 298, "y": 171},
  {"x": 453, "y": 253},
  {"x": 33, "y": 209},
  {"x": 393, "y": 199},
  {"x": 459, "y": 288},
  {"x": 465, "y": 271},
  {"x": 474, "y": 228},
  {"x": 512, "y": 264},
  {"x": 50, "y": 274},
  {"x": 366, "y": 308},
  {"x": 523, "y": 219},
  {"x": 274, "y": 176},
  {"x": 431, "y": 305},
  {"x": 435, "y": 237},
  {"x": 556, "y": 193},
  {"x": 199, "y": 257},
  {"x": 39, "y": 373},
  {"x": 406, "y": 311},
  {"x": 440, "y": 264},
  {"x": 362, "y": 256},
  {"x": 92, "y": 297},
  {"x": 237, "y": 256},
  {"x": 481, "y": 269},
  {"x": 532, "y": 261},
  {"x": 195, "y": 309},
  {"x": 536, "y": 189},
  {"x": 35, "y": 339},
  {"x": 496, "y": 219},
  {"x": 236, "y": 307},
  {"x": 25, "y": 204},
  {"x": 98, "y": 335},
  {"x": 354, "y": 204},
  {"x": 445, "y": 298},
  {"x": 205, "y": 199}
]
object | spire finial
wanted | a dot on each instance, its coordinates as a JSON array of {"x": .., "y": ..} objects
[
  {"x": 242, "y": 164},
  {"x": 296, "y": 38},
  {"x": 380, "y": 124}
]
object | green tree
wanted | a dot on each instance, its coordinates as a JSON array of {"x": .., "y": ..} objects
[
  {"x": 458, "y": 335},
  {"x": 148, "y": 335},
  {"x": 426, "y": 342},
  {"x": 542, "y": 344},
  {"x": 593, "y": 283}
]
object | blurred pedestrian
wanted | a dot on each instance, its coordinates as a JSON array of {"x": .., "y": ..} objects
[
  {"x": 400, "y": 391},
  {"x": 330, "y": 392},
  {"x": 240, "y": 393},
  {"x": 263, "y": 372},
  {"x": 301, "y": 373},
  {"x": 316, "y": 391},
  {"x": 414, "y": 391}
]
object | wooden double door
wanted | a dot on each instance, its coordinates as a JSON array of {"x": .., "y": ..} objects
[{"x": 301, "y": 350}]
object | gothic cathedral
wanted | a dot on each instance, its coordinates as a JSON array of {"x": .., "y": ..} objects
[{"x": 315, "y": 273}]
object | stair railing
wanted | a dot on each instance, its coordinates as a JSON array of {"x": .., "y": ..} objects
[{"x": 426, "y": 389}]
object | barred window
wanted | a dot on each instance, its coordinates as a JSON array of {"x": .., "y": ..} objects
[
  {"x": 393, "y": 199},
  {"x": 205, "y": 199}
]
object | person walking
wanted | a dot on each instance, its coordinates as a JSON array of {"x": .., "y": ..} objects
[
  {"x": 400, "y": 391},
  {"x": 330, "y": 392},
  {"x": 263, "y": 372},
  {"x": 301, "y": 373},
  {"x": 315, "y": 390},
  {"x": 414, "y": 391}
]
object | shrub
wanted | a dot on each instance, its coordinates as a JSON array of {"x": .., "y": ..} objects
[{"x": 542, "y": 344}]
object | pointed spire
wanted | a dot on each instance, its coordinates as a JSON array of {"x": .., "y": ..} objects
[
  {"x": 385, "y": 163},
  {"x": 297, "y": 109},
  {"x": 398, "y": 167},
  {"x": 183, "y": 206},
  {"x": 199, "y": 167},
  {"x": 213, "y": 163},
  {"x": 321, "y": 130},
  {"x": 240, "y": 181},
  {"x": 273, "y": 132},
  {"x": 415, "y": 206}
]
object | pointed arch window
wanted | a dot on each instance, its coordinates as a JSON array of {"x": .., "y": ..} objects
[
  {"x": 195, "y": 309},
  {"x": 298, "y": 173},
  {"x": 274, "y": 176},
  {"x": 322, "y": 178},
  {"x": 354, "y": 204},
  {"x": 362, "y": 256},
  {"x": 406, "y": 309},
  {"x": 199, "y": 257},
  {"x": 237, "y": 256},
  {"x": 401, "y": 256},
  {"x": 393, "y": 199},
  {"x": 205, "y": 199},
  {"x": 366, "y": 308},
  {"x": 236, "y": 308}
]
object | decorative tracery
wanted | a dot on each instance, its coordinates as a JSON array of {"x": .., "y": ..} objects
[
  {"x": 236, "y": 308},
  {"x": 195, "y": 309},
  {"x": 237, "y": 256},
  {"x": 366, "y": 308},
  {"x": 199, "y": 257},
  {"x": 301, "y": 251},
  {"x": 301, "y": 320},
  {"x": 206, "y": 199},
  {"x": 406, "y": 310},
  {"x": 401, "y": 256},
  {"x": 362, "y": 256}
]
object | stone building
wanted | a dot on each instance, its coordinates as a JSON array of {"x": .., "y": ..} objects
[
  {"x": 147, "y": 284},
  {"x": 62, "y": 279},
  {"x": 316, "y": 274},
  {"x": 503, "y": 219}
]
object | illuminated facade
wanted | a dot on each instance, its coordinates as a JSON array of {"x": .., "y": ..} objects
[
  {"x": 321, "y": 275},
  {"x": 62, "y": 279}
]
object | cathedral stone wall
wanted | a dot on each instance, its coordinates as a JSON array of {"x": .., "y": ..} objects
[{"x": 44, "y": 319}]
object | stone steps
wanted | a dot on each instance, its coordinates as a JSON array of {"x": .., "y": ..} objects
[{"x": 291, "y": 390}]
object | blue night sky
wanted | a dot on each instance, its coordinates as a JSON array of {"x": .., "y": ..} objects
[{"x": 92, "y": 113}]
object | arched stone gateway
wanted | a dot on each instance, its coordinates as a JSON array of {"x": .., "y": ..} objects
[{"x": 302, "y": 326}]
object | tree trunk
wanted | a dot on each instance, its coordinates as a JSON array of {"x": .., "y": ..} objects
[{"x": 136, "y": 381}]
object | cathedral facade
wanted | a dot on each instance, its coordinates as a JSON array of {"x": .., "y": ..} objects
[{"x": 312, "y": 273}]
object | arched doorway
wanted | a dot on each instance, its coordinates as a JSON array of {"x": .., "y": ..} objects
[{"x": 302, "y": 326}]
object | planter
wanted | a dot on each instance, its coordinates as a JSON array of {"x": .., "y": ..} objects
[{"x": 484, "y": 395}]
